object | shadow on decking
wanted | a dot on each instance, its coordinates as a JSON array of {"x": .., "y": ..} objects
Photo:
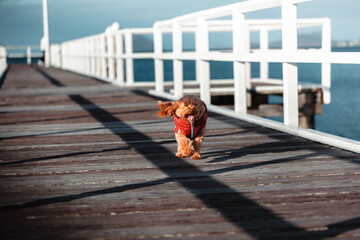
[
  {"x": 253, "y": 218},
  {"x": 248, "y": 219},
  {"x": 51, "y": 79},
  {"x": 75, "y": 154}
]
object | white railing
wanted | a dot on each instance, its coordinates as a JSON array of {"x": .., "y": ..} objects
[
  {"x": 3, "y": 63},
  {"x": 105, "y": 55},
  {"x": 55, "y": 55},
  {"x": 25, "y": 52}
]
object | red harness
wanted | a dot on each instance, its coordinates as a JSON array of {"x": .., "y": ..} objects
[{"x": 185, "y": 127}]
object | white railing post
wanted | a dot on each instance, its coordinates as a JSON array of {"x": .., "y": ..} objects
[
  {"x": 72, "y": 63},
  {"x": 46, "y": 37},
  {"x": 247, "y": 47},
  {"x": 3, "y": 64},
  {"x": 264, "y": 46},
  {"x": 290, "y": 70},
  {"x": 197, "y": 61},
  {"x": 239, "y": 47},
  {"x": 68, "y": 59},
  {"x": 59, "y": 54},
  {"x": 326, "y": 67},
  {"x": 72, "y": 60},
  {"x": 103, "y": 56},
  {"x": 86, "y": 57},
  {"x": 63, "y": 55},
  {"x": 202, "y": 48},
  {"x": 177, "y": 63},
  {"x": 129, "y": 59},
  {"x": 28, "y": 55},
  {"x": 82, "y": 60},
  {"x": 110, "y": 54},
  {"x": 92, "y": 56},
  {"x": 89, "y": 55},
  {"x": 97, "y": 57},
  {"x": 158, "y": 62},
  {"x": 52, "y": 54},
  {"x": 119, "y": 59}
]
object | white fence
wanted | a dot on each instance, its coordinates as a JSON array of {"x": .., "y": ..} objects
[
  {"x": 3, "y": 64},
  {"x": 103, "y": 56},
  {"x": 24, "y": 52},
  {"x": 109, "y": 56}
]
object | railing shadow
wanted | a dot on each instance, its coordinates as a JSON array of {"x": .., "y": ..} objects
[
  {"x": 228, "y": 154},
  {"x": 53, "y": 80},
  {"x": 52, "y": 133},
  {"x": 47, "y": 158},
  {"x": 72, "y": 197}
]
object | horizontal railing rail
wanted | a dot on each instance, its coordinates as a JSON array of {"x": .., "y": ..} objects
[
  {"x": 110, "y": 56},
  {"x": 24, "y": 55},
  {"x": 22, "y": 47}
]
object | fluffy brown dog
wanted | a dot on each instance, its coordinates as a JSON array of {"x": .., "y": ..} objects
[{"x": 190, "y": 116}]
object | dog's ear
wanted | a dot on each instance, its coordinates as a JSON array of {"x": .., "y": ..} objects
[
  {"x": 165, "y": 108},
  {"x": 172, "y": 108}
]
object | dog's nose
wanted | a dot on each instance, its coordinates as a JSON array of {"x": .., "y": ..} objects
[{"x": 192, "y": 111}]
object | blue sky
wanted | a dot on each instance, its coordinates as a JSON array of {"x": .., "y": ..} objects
[{"x": 21, "y": 20}]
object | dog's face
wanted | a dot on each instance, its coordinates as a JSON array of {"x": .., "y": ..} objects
[{"x": 189, "y": 108}]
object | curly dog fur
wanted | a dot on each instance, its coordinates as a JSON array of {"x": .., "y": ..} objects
[{"x": 190, "y": 116}]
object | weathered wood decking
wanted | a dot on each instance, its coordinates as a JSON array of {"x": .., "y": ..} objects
[{"x": 81, "y": 159}]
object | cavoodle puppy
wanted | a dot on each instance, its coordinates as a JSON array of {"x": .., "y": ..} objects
[{"x": 190, "y": 116}]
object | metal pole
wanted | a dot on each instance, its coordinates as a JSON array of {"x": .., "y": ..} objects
[{"x": 46, "y": 33}]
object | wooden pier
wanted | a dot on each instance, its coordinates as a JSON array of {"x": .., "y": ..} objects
[{"x": 83, "y": 159}]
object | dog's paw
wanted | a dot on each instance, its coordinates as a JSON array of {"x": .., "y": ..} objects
[
  {"x": 184, "y": 152},
  {"x": 196, "y": 156},
  {"x": 180, "y": 155}
]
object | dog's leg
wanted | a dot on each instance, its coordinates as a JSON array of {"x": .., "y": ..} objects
[
  {"x": 184, "y": 148},
  {"x": 197, "y": 145}
]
